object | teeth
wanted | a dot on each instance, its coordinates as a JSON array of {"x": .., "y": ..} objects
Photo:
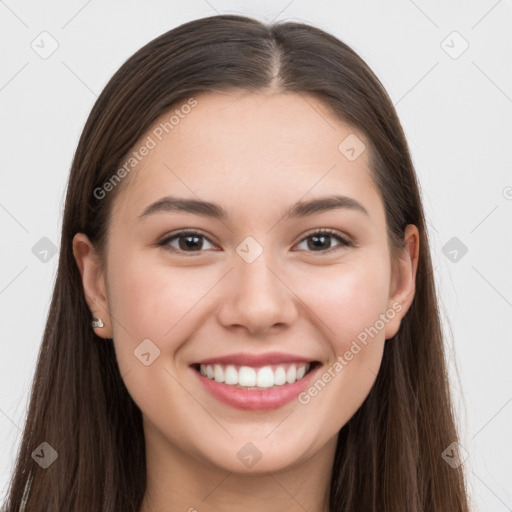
[
  {"x": 279, "y": 376},
  {"x": 218, "y": 373},
  {"x": 291, "y": 374},
  {"x": 265, "y": 377},
  {"x": 231, "y": 375},
  {"x": 246, "y": 376}
]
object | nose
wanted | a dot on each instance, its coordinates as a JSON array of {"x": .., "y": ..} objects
[{"x": 258, "y": 298}]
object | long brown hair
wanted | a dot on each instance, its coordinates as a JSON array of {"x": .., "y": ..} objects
[{"x": 388, "y": 456}]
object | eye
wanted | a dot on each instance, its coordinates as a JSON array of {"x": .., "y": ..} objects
[
  {"x": 189, "y": 241},
  {"x": 321, "y": 239}
]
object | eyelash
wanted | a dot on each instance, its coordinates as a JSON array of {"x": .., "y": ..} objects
[{"x": 165, "y": 243}]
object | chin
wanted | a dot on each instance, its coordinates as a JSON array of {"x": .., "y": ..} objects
[{"x": 258, "y": 456}]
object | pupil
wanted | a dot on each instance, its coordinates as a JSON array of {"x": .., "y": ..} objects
[
  {"x": 188, "y": 245},
  {"x": 320, "y": 237}
]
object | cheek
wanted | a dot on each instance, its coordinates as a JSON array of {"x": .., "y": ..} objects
[
  {"x": 348, "y": 299},
  {"x": 154, "y": 301},
  {"x": 350, "y": 307}
]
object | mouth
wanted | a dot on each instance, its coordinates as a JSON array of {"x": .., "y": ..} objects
[
  {"x": 256, "y": 378},
  {"x": 256, "y": 388}
]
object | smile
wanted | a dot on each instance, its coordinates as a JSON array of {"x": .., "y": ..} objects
[
  {"x": 256, "y": 387},
  {"x": 255, "y": 378}
]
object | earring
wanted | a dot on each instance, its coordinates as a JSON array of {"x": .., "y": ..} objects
[{"x": 97, "y": 322}]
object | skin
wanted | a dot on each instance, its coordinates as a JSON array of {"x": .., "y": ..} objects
[{"x": 255, "y": 155}]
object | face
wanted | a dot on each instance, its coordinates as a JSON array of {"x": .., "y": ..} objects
[{"x": 260, "y": 294}]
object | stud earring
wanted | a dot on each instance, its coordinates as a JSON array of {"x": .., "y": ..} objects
[{"x": 97, "y": 322}]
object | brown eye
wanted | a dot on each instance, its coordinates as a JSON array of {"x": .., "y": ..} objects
[
  {"x": 320, "y": 241},
  {"x": 192, "y": 242},
  {"x": 187, "y": 242}
]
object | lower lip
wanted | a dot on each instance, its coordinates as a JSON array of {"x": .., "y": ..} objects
[{"x": 256, "y": 400}]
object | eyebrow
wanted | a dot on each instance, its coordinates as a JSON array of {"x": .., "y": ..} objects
[{"x": 215, "y": 211}]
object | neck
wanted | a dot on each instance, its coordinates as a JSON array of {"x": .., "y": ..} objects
[{"x": 178, "y": 481}]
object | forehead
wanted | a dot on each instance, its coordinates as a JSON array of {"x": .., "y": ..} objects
[{"x": 261, "y": 150}]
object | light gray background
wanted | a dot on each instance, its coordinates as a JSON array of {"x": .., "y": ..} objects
[{"x": 456, "y": 113}]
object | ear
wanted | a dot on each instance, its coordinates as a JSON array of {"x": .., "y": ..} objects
[
  {"x": 403, "y": 280},
  {"x": 93, "y": 281}
]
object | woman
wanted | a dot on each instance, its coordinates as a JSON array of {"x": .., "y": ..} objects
[{"x": 244, "y": 312}]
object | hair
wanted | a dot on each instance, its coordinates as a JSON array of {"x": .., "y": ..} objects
[{"x": 388, "y": 455}]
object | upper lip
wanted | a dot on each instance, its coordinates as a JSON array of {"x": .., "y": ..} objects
[{"x": 269, "y": 358}]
